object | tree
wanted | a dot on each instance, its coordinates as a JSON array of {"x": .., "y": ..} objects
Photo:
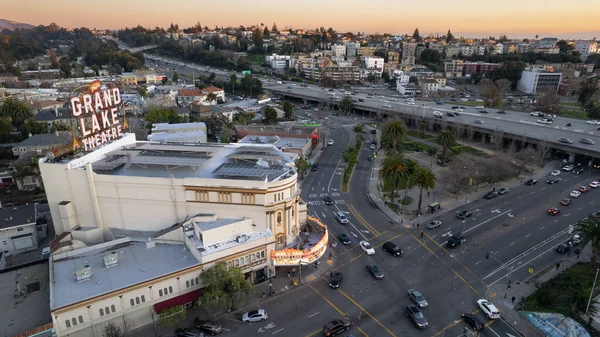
[
  {"x": 542, "y": 148},
  {"x": 588, "y": 89},
  {"x": 266, "y": 33},
  {"x": 302, "y": 166},
  {"x": 416, "y": 36},
  {"x": 17, "y": 110},
  {"x": 593, "y": 110},
  {"x": 394, "y": 131},
  {"x": 589, "y": 229},
  {"x": 527, "y": 156},
  {"x": 31, "y": 127},
  {"x": 385, "y": 76},
  {"x": 5, "y": 129},
  {"x": 172, "y": 316},
  {"x": 456, "y": 178},
  {"x": 175, "y": 77},
  {"x": 491, "y": 96},
  {"x": 446, "y": 139},
  {"x": 225, "y": 288},
  {"x": 274, "y": 28},
  {"x": 59, "y": 126},
  {"x": 53, "y": 61},
  {"x": 287, "y": 109},
  {"x": 257, "y": 39},
  {"x": 548, "y": 102},
  {"x": 159, "y": 114},
  {"x": 394, "y": 168},
  {"x": 503, "y": 85},
  {"x": 562, "y": 46},
  {"x": 65, "y": 67},
  {"x": 425, "y": 179},
  {"x": 211, "y": 97},
  {"x": 270, "y": 114},
  {"x": 359, "y": 129},
  {"x": 233, "y": 81},
  {"x": 346, "y": 104},
  {"x": 142, "y": 91},
  {"x": 111, "y": 330},
  {"x": 449, "y": 37},
  {"x": 226, "y": 135}
]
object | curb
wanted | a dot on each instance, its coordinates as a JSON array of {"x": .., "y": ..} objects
[{"x": 513, "y": 326}]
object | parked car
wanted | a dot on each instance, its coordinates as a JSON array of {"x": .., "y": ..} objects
[
  {"x": 578, "y": 170},
  {"x": 255, "y": 316},
  {"x": 555, "y": 173},
  {"x": 415, "y": 296},
  {"x": 503, "y": 190},
  {"x": 490, "y": 195},
  {"x": 568, "y": 168},
  {"x": 210, "y": 327},
  {"x": 314, "y": 167},
  {"x": 473, "y": 322},
  {"x": 563, "y": 248},
  {"x": 434, "y": 224},
  {"x": 531, "y": 182}
]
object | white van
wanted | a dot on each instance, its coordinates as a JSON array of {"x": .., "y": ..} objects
[
  {"x": 341, "y": 217},
  {"x": 437, "y": 114}
]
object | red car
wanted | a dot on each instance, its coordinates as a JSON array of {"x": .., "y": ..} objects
[
  {"x": 584, "y": 188},
  {"x": 553, "y": 211}
]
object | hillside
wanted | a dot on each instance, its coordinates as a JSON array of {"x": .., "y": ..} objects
[{"x": 8, "y": 24}]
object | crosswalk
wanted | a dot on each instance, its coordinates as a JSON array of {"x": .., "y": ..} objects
[{"x": 321, "y": 202}]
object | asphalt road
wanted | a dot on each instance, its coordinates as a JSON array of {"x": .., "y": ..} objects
[{"x": 513, "y": 122}]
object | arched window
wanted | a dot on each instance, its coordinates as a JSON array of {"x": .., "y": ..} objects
[
  {"x": 187, "y": 284},
  {"x": 102, "y": 311},
  {"x": 143, "y": 298},
  {"x": 131, "y": 302},
  {"x": 112, "y": 308},
  {"x": 80, "y": 319},
  {"x": 68, "y": 324},
  {"x": 106, "y": 310},
  {"x": 160, "y": 292},
  {"x": 137, "y": 300},
  {"x": 279, "y": 218},
  {"x": 170, "y": 290},
  {"x": 74, "y": 321}
]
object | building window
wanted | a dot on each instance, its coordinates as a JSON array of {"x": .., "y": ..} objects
[
  {"x": 19, "y": 229},
  {"x": 170, "y": 290},
  {"x": 229, "y": 264},
  {"x": 278, "y": 218},
  {"x": 253, "y": 257},
  {"x": 160, "y": 292},
  {"x": 130, "y": 302},
  {"x": 280, "y": 239},
  {"x": 248, "y": 198},
  {"x": 187, "y": 284},
  {"x": 106, "y": 310},
  {"x": 102, "y": 311},
  {"x": 80, "y": 319},
  {"x": 143, "y": 298},
  {"x": 224, "y": 196},
  {"x": 137, "y": 300},
  {"x": 237, "y": 262},
  {"x": 112, "y": 308},
  {"x": 202, "y": 196},
  {"x": 68, "y": 324},
  {"x": 246, "y": 259},
  {"x": 262, "y": 254},
  {"x": 74, "y": 321},
  {"x": 197, "y": 280}
]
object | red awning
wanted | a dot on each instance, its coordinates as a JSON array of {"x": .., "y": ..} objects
[{"x": 179, "y": 300}]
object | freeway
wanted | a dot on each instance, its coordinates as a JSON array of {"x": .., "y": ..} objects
[{"x": 513, "y": 122}]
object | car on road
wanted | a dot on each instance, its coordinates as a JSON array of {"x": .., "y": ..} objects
[
  {"x": 554, "y": 211},
  {"x": 437, "y": 114},
  {"x": 565, "y": 202},
  {"x": 563, "y": 248},
  {"x": 415, "y": 296},
  {"x": 373, "y": 147},
  {"x": 210, "y": 327},
  {"x": 344, "y": 238},
  {"x": 552, "y": 181},
  {"x": 392, "y": 248},
  {"x": 314, "y": 167},
  {"x": 544, "y": 121},
  {"x": 416, "y": 316},
  {"x": 367, "y": 248},
  {"x": 336, "y": 280},
  {"x": 473, "y": 322},
  {"x": 330, "y": 142},
  {"x": 328, "y": 200},
  {"x": 575, "y": 194},
  {"x": 455, "y": 240},
  {"x": 488, "y": 309},
  {"x": 490, "y": 195},
  {"x": 255, "y": 316},
  {"x": 439, "y": 103},
  {"x": 568, "y": 168},
  {"x": 387, "y": 106},
  {"x": 463, "y": 214},
  {"x": 575, "y": 239},
  {"x": 555, "y": 173},
  {"x": 501, "y": 112},
  {"x": 593, "y": 122},
  {"x": 341, "y": 217},
  {"x": 578, "y": 170},
  {"x": 503, "y": 190},
  {"x": 565, "y": 140},
  {"x": 595, "y": 184},
  {"x": 450, "y": 114},
  {"x": 374, "y": 132},
  {"x": 375, "y": 271},
  {"x": 537, "y": 114},
  {"x": 583, "y": 188},
  {"x": 478, "y": 121},
  {"x": 586, "y": 141},
  {"x": 434, "y": 224},
  {"x": 479, "y": 107},
  {"x": 483, "y": 111},
  {"x": 531, "y": 182},
  {"x": 335, "y": 327},
  {"x": 185, "y": 332}
]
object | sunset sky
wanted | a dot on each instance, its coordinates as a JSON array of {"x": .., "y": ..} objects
[{"x": 480, "y": 17}]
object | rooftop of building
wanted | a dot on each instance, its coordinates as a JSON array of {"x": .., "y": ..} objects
[
  {"x": 136, "y": 263},
  {"x": 18, "y": 215},
  {"x": 195, "y": 136},
  {"x": 263, "y": 162},
  {"x": 166, "y": 127},
  {"x": 46, "y": 139},
  {"x": 281, "y": 142},
  {"x": 289, "y": 129}
]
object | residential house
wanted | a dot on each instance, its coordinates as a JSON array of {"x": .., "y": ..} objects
[
  {"x": 128, "y": 79},
  {"x": 20, "y": 230},
  {"x": 409, "y": 89},
  {"x": 429, "y": 87},
  {"x": 401, "y": 77},
  {"x": 46, "y": 104}
]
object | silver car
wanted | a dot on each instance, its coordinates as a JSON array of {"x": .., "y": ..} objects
[
  {"x": 434, "y": 224},
  {"x": 416, "y": 297},
  {"x": 255, "y": 316}
]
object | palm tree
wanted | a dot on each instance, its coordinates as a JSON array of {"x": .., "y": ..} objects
[
  {"x": 359, "y": 129},
  {"x": 422, "y": 126},
  {"x": 393, "y": 167},
  {"x": 394, "y": 131},
  {"x": 211, "y": 97},
  {"x": 446, "y": 139},
  {"x": 17, "y": 110},
  {"x": 589, "y": 229},
  {"x": 346, "y": 104},
  {"x": 425, "y": 179}
]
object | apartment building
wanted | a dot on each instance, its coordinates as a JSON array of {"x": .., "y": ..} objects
[
  {"x": 537, "y": 80},
  {"x": 339, "y": 51},
  {"x": 366, "y": 51},
  {"x": 278, "y": 62},
  {"x": 467, "y": 50},
  {"x": 351, "y": 49},
  {"x": 454, "y": 68},
  {"x": 479, "y": 67},
  {"x": 429, "y": 87},
  {"x": 586, "y": 47},
  {"x": 409, "y": 50},
  {"x": 451, "y": 51},
  {"x": 497, "y": 49},
  {"x": 343, "y": 74}
]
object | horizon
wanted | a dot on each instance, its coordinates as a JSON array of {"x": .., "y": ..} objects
[{"x": 463, "y": 21}]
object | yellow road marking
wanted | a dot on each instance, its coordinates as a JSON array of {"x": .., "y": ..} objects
[
  {"x": 467, "y": 283},
  {"x": 439, "y": 244},
  {"x": 431, "y": 251},
  {"x": 312, "y": 277},
  {"x": 362, "y": 332},
  {"x": 365, "y": 311},
  {"x": 454, "y": 324},
  {"x": 326, "y": 300},
  {"x": 362, "y": 220}
]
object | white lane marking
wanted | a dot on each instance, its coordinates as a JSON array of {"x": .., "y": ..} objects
[
  {"x": 351, "y": 224},
  {"x": 580, "y": 208},
  {"x": 316, "y": 313},
  {"x": 519, "y": 197},
  {"x": 274, "y": 332},
  {"x": 486, "y": 221},
  {"x": 526, "y": 236},
  {"x": 555, "y": 221},
  {"x": 487, "y": 327},
  {"x": 591, "y": 202},
  {"x": 531, "y": 193},
  {"x": 542, "y": 227},
  {"x": 566, "y": 215},
  {"x": 478, "y": 262},
  {"x": 331, "y": 179},
  {"x": 543, "y": 188},
  {"x": 512, "y": 243},
  {"x": 506, "y": 202}
]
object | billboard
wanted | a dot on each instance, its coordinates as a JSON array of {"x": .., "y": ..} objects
[{"x": 245, "y": 72}]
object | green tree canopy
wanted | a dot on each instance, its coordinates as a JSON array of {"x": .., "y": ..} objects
[
  {"x": 17, "y": 110},
  {"x": 31, "y": 127},
  {"x": 394, "y": 167},
  {"x": 425, "y": 179},
  {"x": 111, "y": 330},
  {"x": 287, "y": 109},
  {"x": 172, "y": 316},
  {"x": 270, "y": 114},
  {"x": 302, "y": 166},
  {"x": 589, "y": 229},
  {"x": 394, "y": 132},
  {"x": 346, "y": 104},
  {"x": 175, "y": 76},
  {"x": 446, "y": 139},
  {"x": 159, "y": 114},
  {"x": 588, "y": 89},
  {"x": 225, "y": 288}
]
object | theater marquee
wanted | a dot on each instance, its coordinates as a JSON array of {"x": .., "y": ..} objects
[{"x": 96, "y": 108}]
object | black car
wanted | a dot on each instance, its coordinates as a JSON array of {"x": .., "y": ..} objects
[
  {"x": 416, "y": 316},
  {"x": 314, "y": 167},
  {"x": 552, "y": 181},
  {"x": 335, "y": 327},
  {"x": 502, "y": 112},
  {"x": 344, "y": 238},
  {"x": 483, "y": 111},
  {"x": 361, "y": 100},
  {"x": 455, "y": 240},
  {"x": 210, "y": 327},
  {"x": 473, "y": 322},
  {"x": 374, "y": 131},
  {"x": 578, "y": 170},
  {"x": 450, "y": 114},
  {"x": 328, "y": 200},
  {"x": 563, "y": 248},
  {"x": 392, "y": 248},
  {"x": 336, "y": 280},
  {"x": 463, "y": 214},
  {"x": 531, "y": 182},
  {"x": 490, "y": 195}
]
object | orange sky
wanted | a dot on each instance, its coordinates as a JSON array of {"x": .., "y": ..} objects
[{"x": 513, "y": 17}]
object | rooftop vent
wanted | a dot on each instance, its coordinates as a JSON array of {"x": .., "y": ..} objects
[
  {"x": 110, "y": 260},
  {"x": 262, "y": 163},
  {"x": 84, "y": 273},
  {"x": 241, "y": 238},
  {"x": 150, "y": 243}
]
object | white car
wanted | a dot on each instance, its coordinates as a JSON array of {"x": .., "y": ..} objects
[
  {"x": 480, "y": 107},
  {"x": 330, "y": 142},
  {"x": 537, "y": 114},
  {"x": 575, "y": 194},
  {"x": 489, "y": 309},
  {"x": 568, "y": 168},
  {"x": 593, "y": 122},
  {"x": 255, "y": 316},
  {"x": 555, "y": 173},
  {"x": 544, "y": 121},
  {"x": 595, "y": 184},
  {"x": 367, "y": 248}
]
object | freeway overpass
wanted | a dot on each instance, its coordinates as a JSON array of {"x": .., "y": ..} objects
[{"x": 513, "y": 125}]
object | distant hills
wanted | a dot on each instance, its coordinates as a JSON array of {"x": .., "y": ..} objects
[{"x": 9, "y": 24}]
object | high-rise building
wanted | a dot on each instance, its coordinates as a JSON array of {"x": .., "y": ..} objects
[{"x": 408, "y": 53}]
